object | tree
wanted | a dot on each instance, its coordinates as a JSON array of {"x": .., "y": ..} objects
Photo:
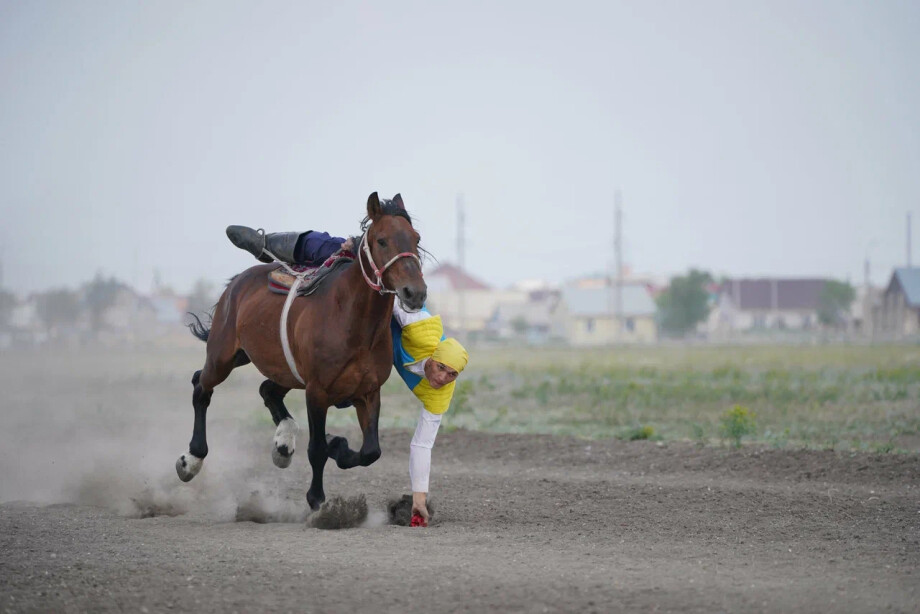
[
  {"x": 834, "y": 302},
  {"x": 685, "y": 303},
  {"x": 519, "y": 325},
  {"x": 100, "y": 295},
  {"x": 57, "y": 308}
]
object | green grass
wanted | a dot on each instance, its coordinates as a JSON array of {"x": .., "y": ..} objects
[
  {"x": 825, "y": 397},
  {"x": 839, "y": 397}
]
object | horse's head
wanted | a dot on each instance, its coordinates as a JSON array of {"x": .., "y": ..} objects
[{"x": 393, "y": 246}]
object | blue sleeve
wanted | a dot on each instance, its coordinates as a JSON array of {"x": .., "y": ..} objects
[{"x": 314, "y": 247}]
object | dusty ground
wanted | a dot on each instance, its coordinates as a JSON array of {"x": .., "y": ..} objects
[
  {"x": 93, "y": 517},
  {"x": 524, "y": 523}
]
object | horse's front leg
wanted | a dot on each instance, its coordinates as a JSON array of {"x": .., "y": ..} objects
[
  {"x": 368, "y": 411},
  {"x": 317, "y": 451}
]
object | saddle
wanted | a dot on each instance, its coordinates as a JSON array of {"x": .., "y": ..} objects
[{"x": 280, "y": 281}]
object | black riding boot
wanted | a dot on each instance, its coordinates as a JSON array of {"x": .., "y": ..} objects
[{"x": 281, "y": 244}]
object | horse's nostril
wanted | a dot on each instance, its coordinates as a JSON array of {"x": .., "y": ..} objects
[{"x": 408, "y": 292}]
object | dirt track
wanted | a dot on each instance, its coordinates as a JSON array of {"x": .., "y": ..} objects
[{"x": 524, "y": 523}]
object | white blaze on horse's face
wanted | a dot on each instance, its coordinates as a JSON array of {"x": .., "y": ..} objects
[{"x": 392, "y": 250}]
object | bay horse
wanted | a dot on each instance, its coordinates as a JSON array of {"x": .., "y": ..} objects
[{"x": 340, "y": 341}]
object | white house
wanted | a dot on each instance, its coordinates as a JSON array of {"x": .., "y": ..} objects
[
  {"x": 465, "y": 303},
  {"x": 766, "y": 303}
]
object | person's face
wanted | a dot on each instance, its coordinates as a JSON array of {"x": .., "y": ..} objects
[{"x": 438, "y": 374}]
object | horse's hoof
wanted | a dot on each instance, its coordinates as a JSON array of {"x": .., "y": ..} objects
[
  {"x": 188, "y": 466},
  {"x": 315, "y": 501},
  {"x": 280, "y": 457},
  {"x": 283, "y": 448}
]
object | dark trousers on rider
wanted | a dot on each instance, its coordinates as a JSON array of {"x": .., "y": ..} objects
[{"x": 314, "y": 247}]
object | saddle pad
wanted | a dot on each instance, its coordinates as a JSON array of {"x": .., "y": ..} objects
[{"x": 280, "y": 281}]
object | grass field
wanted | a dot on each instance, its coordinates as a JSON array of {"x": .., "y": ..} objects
[{"x": 841, "y": 397}]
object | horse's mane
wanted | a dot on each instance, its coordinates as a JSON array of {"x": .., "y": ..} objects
[{"x": 388, "y": 207}]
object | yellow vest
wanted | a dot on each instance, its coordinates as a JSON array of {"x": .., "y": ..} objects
[{"x": 417, "y": 342}]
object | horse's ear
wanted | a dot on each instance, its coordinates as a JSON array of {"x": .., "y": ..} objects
[
  {"x": 399, "y": 203},
  {"x": 373, "y": 207}
]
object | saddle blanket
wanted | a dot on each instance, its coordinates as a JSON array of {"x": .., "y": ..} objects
[{"x": 280, "y": 281}]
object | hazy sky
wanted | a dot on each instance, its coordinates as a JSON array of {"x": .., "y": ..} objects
[{"x": 748, "y": 138}]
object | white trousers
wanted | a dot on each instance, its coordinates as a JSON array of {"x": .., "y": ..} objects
[{"x": 420, "y": 449}]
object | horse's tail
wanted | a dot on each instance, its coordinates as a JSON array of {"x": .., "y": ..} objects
[{"x": 198, "y": 329}]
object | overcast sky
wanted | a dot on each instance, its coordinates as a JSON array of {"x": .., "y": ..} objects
[{"x": 747, "y": 138}]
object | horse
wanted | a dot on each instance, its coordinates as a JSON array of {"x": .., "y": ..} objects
[{"x": 340, "y": 342}]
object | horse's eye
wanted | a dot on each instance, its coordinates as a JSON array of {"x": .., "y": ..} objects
[{"x": 382, "y": 242}]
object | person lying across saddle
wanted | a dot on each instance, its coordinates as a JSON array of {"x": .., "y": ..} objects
[
  {"x": 427, "y": 361},
  {"x": 311, "y": 248}
]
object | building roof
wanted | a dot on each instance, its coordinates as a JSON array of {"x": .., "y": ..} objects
[
  {"x": 909, "y": 280},
  {"x": 452, "y": 277},
  {"x": 601, "y": 301},
  {"x": 774, "y": 293}
]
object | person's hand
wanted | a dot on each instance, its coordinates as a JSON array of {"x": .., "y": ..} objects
[
  {"x": 420, "y": 505},
  {"x": 349, "y": 245}
]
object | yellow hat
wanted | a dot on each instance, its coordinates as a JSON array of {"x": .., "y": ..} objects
[{"x": 452, "y": 354}]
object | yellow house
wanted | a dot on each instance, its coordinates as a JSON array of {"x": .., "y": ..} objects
[{"x": 592, "y": 318}]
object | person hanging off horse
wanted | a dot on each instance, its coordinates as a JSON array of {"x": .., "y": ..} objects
[{"x": 428, "y": 363}]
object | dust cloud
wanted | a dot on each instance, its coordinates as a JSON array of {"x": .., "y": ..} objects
[{"x": 103, "y": 429}]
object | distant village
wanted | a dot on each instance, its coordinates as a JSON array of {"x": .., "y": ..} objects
[
  {"x": 600, "y": 310},
  {"x": 589, "y": 311}
]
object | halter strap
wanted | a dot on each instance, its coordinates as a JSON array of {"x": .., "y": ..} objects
[{"x": 378, "y": 273}]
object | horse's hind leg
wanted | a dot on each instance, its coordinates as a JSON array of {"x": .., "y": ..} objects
[
  {"x": 286, "y": 433},
  {"x": 215, "y": 371},
  {"x": 368, "y": 411}
]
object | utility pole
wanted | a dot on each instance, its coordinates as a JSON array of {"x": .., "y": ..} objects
[
  {"x": 908, "y": 240},
  {"x": 618, "y": 259},
  {"x": 461, "y": 262},
  {"x": 868, "y": 322}
]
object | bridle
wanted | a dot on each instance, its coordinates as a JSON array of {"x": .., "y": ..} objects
[{"x": 378, "y": 273}]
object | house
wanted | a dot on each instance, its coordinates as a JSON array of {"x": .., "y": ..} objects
[
  {"x": 465, "y": 304},
  {"x": 766, "y": 303},
  {"x": 539, "y": 320},
  {"x": 591, "y": 319},
  {"x": 23, "y": 326},
  {"x": 864, "y": 312},
  {"x": 899, "y": 312},
  {"x": 130, "y": 317}
]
